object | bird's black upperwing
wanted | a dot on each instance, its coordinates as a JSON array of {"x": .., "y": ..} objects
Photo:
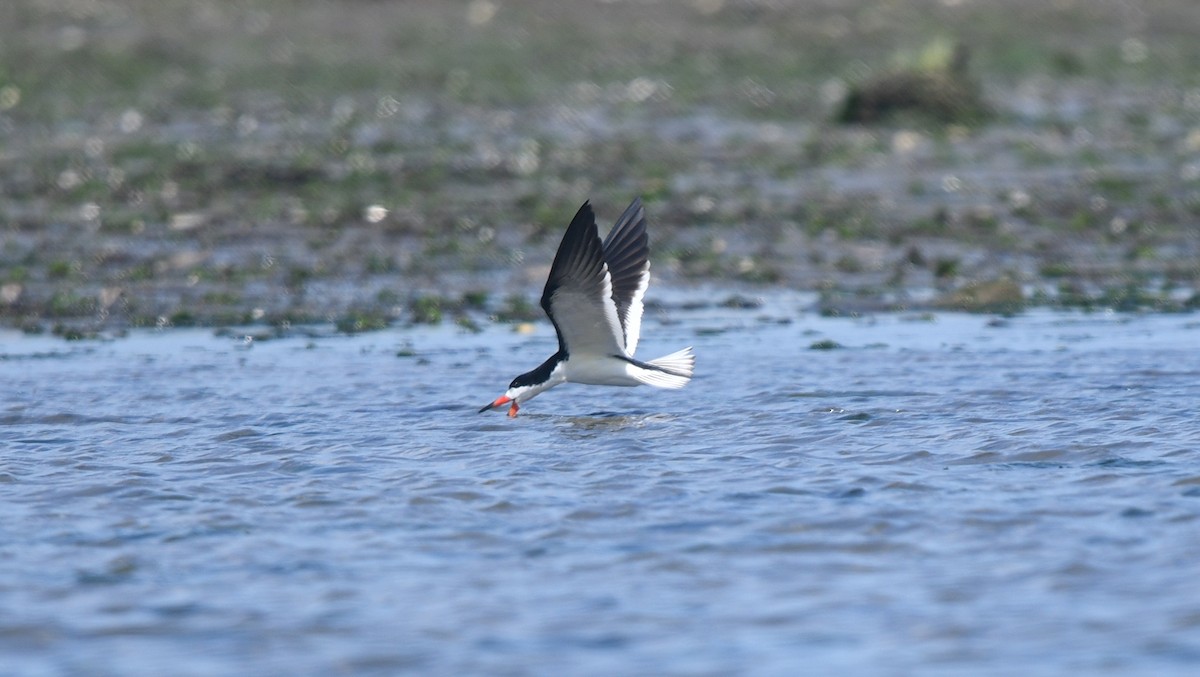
[
  {"x": 627, "y": 253},
  {"x": 578, "y": 296}
]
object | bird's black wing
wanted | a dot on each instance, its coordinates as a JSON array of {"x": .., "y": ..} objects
[
  {"x": 627, "y": 253},
  {"x": 578, "y": 296}
]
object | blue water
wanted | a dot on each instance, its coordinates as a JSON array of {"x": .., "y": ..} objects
[{"x": 947, "y": 494}]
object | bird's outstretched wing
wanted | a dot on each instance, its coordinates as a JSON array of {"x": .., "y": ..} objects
[
  {"x": 627, "y": 253},
  {"x": 578, "y": 296}
]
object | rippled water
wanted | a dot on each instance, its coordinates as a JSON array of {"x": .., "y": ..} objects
[{"x": 942, "y": 494}]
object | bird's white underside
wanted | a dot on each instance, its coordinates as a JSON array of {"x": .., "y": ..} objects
[
  {"x": 601, "y": 371},
  {"x": 605, "y": 370},
  {"x": 589, "y": 325}
]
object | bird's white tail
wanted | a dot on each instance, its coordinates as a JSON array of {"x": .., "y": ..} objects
[{"x": 670, "y": 371}]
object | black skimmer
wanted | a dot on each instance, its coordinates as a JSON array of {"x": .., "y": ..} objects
[{"x": 594, "y": 300}]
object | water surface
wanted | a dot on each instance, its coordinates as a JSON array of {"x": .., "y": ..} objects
[{"x": 944, "y": 493}]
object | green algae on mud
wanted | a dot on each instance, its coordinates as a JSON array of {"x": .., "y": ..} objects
[{"x": 169, "y": 174}]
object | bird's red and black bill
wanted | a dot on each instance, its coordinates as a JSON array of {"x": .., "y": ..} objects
[{"x": 500, "y": 402}]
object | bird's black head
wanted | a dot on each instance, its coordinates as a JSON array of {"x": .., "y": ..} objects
[{"x": 539, "y": 375}]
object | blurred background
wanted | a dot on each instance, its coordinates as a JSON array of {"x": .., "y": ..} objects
[{"x": 369, "y": 162}]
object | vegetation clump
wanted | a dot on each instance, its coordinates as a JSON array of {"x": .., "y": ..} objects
[
  {"x": 938, "y": 88},
  {"x": 358, "y": 321}
]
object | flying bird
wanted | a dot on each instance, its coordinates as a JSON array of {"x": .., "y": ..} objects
[{"x": 593, "y": 298}]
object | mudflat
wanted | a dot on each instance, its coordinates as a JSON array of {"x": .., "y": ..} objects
[{"x": 367, "y": 163}]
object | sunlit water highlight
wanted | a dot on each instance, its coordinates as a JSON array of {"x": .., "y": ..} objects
[{"x": 949, "y": 493}]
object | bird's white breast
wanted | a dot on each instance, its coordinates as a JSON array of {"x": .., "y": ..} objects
[{"x": 600, "y": 371}]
